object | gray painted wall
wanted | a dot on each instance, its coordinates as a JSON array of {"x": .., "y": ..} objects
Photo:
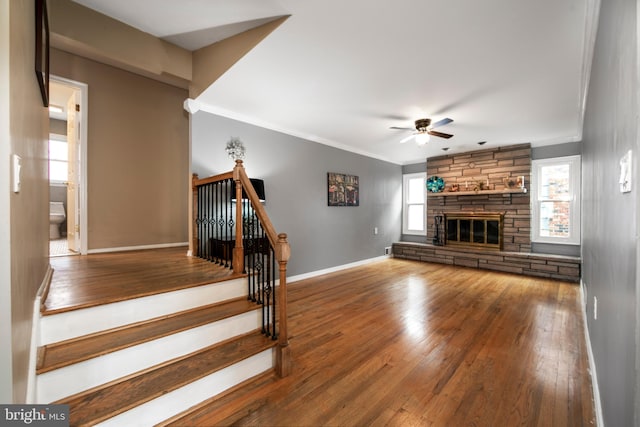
[
  {"x": 294, "y": 171},
  {"x": 609, "y": 218},
  {"x": 558, "y": 150},
  {"x": 414, "y": 168}
]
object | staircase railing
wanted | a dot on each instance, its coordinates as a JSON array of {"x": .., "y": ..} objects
[{"x": 231, "y": 228}]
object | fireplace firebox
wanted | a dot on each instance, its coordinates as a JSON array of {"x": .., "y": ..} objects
[{"x": 474, "y": 229}]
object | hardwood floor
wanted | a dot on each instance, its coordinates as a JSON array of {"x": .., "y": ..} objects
[
  {"x": 84, "y": 281},
  {"x": 405, "y": 343},
  {"x": 397, "y": 343}
]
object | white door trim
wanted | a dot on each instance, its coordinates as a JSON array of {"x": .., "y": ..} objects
[{"x": 84, "y": 120}]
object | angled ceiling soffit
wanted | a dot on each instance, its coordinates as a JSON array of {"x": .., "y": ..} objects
[
  {"x": 87, "y": 33},
  {"x": 211, "y": 62}
]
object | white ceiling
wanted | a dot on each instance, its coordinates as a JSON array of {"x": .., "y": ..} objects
[{"x": 342, "y": 72}]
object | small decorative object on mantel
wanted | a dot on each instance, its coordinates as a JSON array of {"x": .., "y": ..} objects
[
  {"x": 454, "y": 188},
  {"x": 435, "y": 184},
  {"x": 235, "y": 149},
  {"x": 481, "y": 185},
  {"x": 510, "y": 182}
]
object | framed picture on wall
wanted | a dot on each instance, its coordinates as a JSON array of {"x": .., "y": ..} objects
[
  {"x": 42, "y": 49},
  {"x": 343, "y": 189}
]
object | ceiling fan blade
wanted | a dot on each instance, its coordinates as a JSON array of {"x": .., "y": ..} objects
[
  {"x": 439, "y": 134},
  {"x": 442, "y": 122},
  {"x": 406, "y": 139},
  {"x": 399, "y": 128}
]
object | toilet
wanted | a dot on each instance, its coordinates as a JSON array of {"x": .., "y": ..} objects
[{"x": 56, "y": 217}]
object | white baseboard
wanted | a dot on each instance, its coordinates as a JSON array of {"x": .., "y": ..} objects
[
  {"x": 336, "y": 268},
  {"x": 137, "y": 248},
  {"x": 592, "y": 364}
]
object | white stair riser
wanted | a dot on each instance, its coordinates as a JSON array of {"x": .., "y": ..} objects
[
  {"x": 173, "y": 403},
  {"x": 72, "y": 379},
  {"x": 71, "y": 324}
]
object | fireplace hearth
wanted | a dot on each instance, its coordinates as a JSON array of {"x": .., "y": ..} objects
[{"x": 474, "y": 229}]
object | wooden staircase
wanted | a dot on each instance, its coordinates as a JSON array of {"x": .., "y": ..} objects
[
  {"x": 137, "y": 339},
  {"x": 151, "y": 364}
]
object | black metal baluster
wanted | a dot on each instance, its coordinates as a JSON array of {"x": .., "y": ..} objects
[
  {"x": 205, "y": 223},
  {"x": 272, "y": 284},
  {"x": 218, "y": 196},
  {"x": 212, "y": 217},
  {"x": 231, "y": 223},
  {"x": 224, "y": 235},
  {"x": 214, "y": 222},
  {"x": 266, "y": 291},
  {"x": 199, "y": 221},
  {"x": 249, "y": 260},
  {"x": 255, "y": 261}
]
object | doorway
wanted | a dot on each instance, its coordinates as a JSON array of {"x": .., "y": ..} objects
[{"x": 67, "y": 167}]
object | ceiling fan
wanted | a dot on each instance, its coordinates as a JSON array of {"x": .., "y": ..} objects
[{"x": 424, "y": 128}]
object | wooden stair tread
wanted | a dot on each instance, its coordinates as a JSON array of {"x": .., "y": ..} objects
[
  {"x": 101, "y": 403},
  {"x": 226, "y": 408},
  {"x": 98, "y": 279},
  {"x": 65, "y": 353}
]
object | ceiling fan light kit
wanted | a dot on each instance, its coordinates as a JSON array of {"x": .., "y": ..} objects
[{"x": 422, "y": 138}]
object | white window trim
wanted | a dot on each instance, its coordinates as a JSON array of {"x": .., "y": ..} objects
[
  {"x": 405, "y": 210},
  {"x": 574, "y": 199}
]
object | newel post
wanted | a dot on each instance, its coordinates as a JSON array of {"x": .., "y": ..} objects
[
  {"x": 283, "y": 353},
  {"x": 193, "y": 226},
  {"x": 238, "y": 250}
]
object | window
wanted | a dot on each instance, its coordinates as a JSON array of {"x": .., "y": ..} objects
[
  {"x": 555, "y": 200},
  {"x": 58, "y": 159},
  {"x": 414, "y": 216}
]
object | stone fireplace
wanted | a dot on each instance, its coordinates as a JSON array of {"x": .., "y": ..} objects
[
  {"x": 493, "y": 168},
  {"x": 481, "y": 220}
]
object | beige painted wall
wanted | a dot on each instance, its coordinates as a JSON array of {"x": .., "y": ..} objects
[
  {"x": 138, "y": 155},
  {"x": 6, "y": 386},
  {"x": 28, "y": 209}
]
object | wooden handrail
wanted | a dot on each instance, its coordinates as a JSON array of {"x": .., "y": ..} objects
[
  {"x": 215, "y": 178},
  {"x": 279, "y": 243},
  {"x": 239, "y": 174},
  {"x": 282, "y": 254}
]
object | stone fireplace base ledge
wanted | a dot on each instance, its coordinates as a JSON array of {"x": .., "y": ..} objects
[{"x": 558, "y": 267}]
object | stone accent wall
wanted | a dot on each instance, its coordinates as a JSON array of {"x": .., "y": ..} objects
[
  {"x": 492, "y": 166},
  {"x": 549, "y": 266}
]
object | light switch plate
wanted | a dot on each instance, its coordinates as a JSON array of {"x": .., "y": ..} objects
[
  {"x": 16, "y": 162},
  {"x": 626, "y": 172}
]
